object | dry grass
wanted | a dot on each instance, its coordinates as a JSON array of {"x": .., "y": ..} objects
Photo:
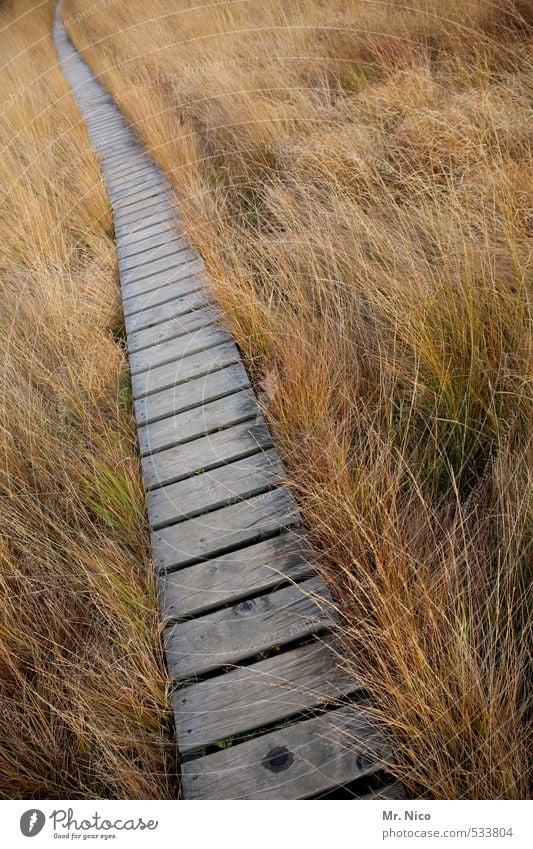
[
  {"x": 356, "y": 176},
  {"x": 82, "y": 688}
]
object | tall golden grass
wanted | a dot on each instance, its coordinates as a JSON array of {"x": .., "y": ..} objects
[
  {"x": 357, "y": 178},
  {"x": 83, "y": 707}
]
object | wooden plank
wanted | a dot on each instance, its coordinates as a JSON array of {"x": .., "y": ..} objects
[
  {"x": 172, "y": 327},
  {"x": 211, "y": 490},
  {"x": 104, "y": 136},
  {"x": 261, "y": 694},
  {"x": 207, "y": 400},
  {"x": 127, "y": 163},
  {"x": 197, "y": 422},
  {"x": 183, "y": 272},
  {"x": 224, "y": 530},
  {"x": 100, "y": 113},
  {"x": 105, "y": 139},
  {"x": 99, "y": 120},
  {"x": 103, "y": 115},
  {"x": 131, "y": 233},
  {"x": 296, "y": 762},
  {"x": 147, "y": 209},
  {"x": 131, "y": 146},
  {"x": 171, "y": 308},
  {"x": 163, "y": 294},
  {"x": 126, "y": 169},
  {"x": 125, "y": 180},
  {"x": 128, "y": 179},
  {"x": 233, "y": 634},
  {"x": 139, "y": 199},
  {"x": 172, "y": 374},
  {"x": 236, "y": 575},
  {"x": 141, "y": 196},
  {"x": 166, "y": 245},
  {"x": 174, "y": 350},
  {"x": 100, "y": 143},
  {"x": 139, "y": 239},
  {"x": 138, "y": 188},
  {"x": 191, "y": 394},
  {"x": 140, "y": 250},
  {"x": 131, "y": 153},
  {"x": 120, "y": 148},
  {"x": 103, "y": 109},
  {"x": 101, "y": 123},
  {"x": 154, "y": 220},
  {"x": 208, "y": 452},
  {"x": 155, "y": 266}
]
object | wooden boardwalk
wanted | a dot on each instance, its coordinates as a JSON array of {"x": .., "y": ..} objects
[{"x": 263, "y": 710}]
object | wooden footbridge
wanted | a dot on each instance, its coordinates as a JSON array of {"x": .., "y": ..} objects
[{"x": 262, "y": 707}]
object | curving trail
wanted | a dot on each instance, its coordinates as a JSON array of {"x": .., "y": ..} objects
[{"x": 235, "y": 573}]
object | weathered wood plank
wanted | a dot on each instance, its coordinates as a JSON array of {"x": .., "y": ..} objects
[
  {"x": 138, "y": 189},
  {"x": 172, "y": 308},
  {"x": 130, "y": 153},
  {"x": 128, "y": 164},
  {"x": 233, "y": 634},
  {"x": 128, "y": 180},
  {"x": 121, "y": 151},
  {"x": 146, "y": 237},
  {"x": 296, "y": 762},
  {"x": 146, "y": 301},
  {"x": 236, "y": 575},
  {"x": 155, "y": 266},
  {"x": 171, "y": 328},
  {"x": 260, "y": 694},
  {"x": 126, "y": 168},
  {"x": 199, "y": 421},
  {"x": 208, "y": 452},
  {"x": 124, "y": 181},
  {"x": 212, "y": 490},
  {"x": 132, "y": 234},
  {"x": 99, "y": 119},
  {"x": 154, "y": 216},
  {"x": 148, "y": 209},
  {"x": 138, "y": 199},
  {"x": 105, "y": 136},
  {"x": 172, "y": 374},
  {"x": 173, "y": 350},
  {"x": 104, "y": 122},
  {"x": 143, "y": 250},
  {"x": 222, "y": 530},
  {"x": 186, "y": 272},
  {"x": 122, "y": 176},
  {"x": 167, "y": 245},
  {"x": 129, "y": 159},
  {"x": 127, "y": 153},
  {"x": 191, "y": 394}
]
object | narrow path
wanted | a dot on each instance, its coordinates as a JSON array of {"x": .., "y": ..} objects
[{"x": 234, "y": 570}]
